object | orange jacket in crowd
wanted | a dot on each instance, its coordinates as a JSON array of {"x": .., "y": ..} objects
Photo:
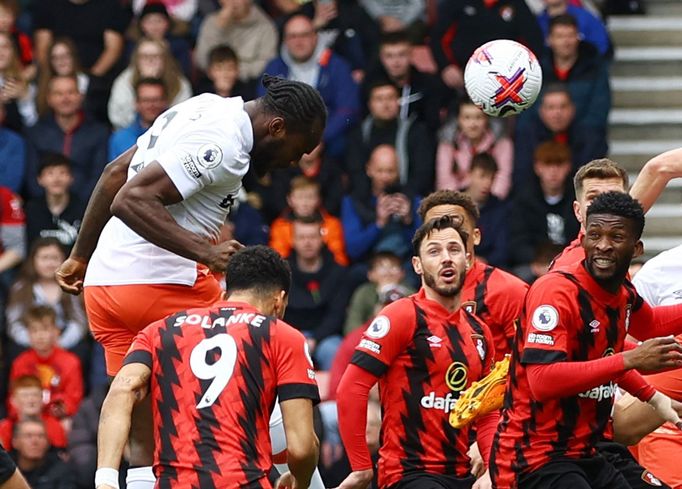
[{"x": 282, "y": 231}]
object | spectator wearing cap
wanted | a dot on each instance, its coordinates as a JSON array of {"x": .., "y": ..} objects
[
  {"x": 154, "y": 22},
  {"x": 244, "y": 27}
]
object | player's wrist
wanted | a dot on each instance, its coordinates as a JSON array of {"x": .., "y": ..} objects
[
  {"x": 629, "y": 359},
  {"x": 106, "y": 476}
]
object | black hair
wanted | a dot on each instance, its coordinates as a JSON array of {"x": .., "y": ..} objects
[
  {"x": 50, "y": 159},
  {"x": 485, "y": 162},
  {"x": 298, "y": 103},
  {"x": 449, "y": 197},
  {"x": 562, "y": 19},
  {"x": 221, "y": 54},
  {"x": 258, "y": 269},
  {"x": 150, "y": 81},
  {"x": 395, "y": 37},
  {"x": 383, "y": 255},
  {"x": 556, "y": 87},
  {"x": 381, "y": 82},
  {"x": 438, "y": 224},
  {"x": 619, "y": 204}
]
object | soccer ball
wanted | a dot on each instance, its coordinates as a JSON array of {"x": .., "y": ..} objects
[{"x": 503, "y": 78}]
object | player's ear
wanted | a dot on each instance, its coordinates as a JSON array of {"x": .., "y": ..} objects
[
  {"x": 417, "y": 265},
  {"x": 639, "y": 249},
  {"x": 576, "y": 211},
  {"x": 281, "y": 301},
  {"x": 277, "y": 127},
  {"x": 477, "y": 236}
]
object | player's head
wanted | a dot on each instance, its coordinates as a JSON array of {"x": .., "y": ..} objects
[
  {"x": 43, "y": 333},
  {"x": 260, "y": 275},
  {"x": 614, "y": 226},
  {"x": 440, "y": 256},
  {"x": 594, "y": 178},
  {"x": 457, "y": 205},
  {"x": 290, "y": 122},
  {"x": 26, "y": 395}
]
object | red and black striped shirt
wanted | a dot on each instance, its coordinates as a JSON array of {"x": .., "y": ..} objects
[
  {"x": 424, "y": 357},
  {"x": 215, "y": 376},
  {"x": 496, "y": 297},
  {"x": 567, "y": 317}
]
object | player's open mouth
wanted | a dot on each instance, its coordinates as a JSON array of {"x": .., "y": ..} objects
[{"x": 448, "y": 274}]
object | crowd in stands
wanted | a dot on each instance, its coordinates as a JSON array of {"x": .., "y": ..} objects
[{"x": 80, "y": 81}]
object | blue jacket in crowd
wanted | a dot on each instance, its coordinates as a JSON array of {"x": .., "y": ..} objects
[
  {"x": 590, "y": 27},
  {"x": 12, "y": 160},
  {"x": 124, "y": 138}
]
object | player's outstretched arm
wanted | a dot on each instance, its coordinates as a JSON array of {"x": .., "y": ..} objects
[
  {"x": 71, "y": 273},
  {"x": 655, "y": 175},
  {"x": 141, "y": 205},
  {"x": 303, "y": 446},
  {"x": 129, "y": 387}
]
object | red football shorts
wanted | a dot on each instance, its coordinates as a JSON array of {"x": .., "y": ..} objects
[{"x": 116, "y": 313}]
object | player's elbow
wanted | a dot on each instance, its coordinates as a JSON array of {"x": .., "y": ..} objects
[
  {"x": 303, "y": 450},
  {"x": 126, "y": 202}
]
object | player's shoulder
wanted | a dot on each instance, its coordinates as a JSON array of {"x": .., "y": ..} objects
[
  {"x": 506, "y": 282},
  {"x": 559, "y": 281},
  {"x": 399, "y": 309}
]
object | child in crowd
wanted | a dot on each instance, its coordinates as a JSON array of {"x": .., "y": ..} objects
[
  {"x": 26, "y": 401},
  {"x": 37, "y": 285},
  {"x": 58, "y": 213},
  {"x": 386, "y": 273},
  {"x": 59, "y": 371},
  {"x": 222, "y": 75},
  {"x": 304, "y": 202},
  {"x": 462, "y": 138},
  {"x": 492, "y": 246}
]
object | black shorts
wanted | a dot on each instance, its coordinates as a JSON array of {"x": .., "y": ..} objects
[
  {"x": 588, "y": 473},
  {"x": 622, "y": 460},
  {"x": 434, "y": 481},
  {"x": 7, "y": 466}
]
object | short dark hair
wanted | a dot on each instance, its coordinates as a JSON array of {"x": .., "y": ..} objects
[
  {"x": 259, "y": 269},
  {"x": 298, "y": 103},
  {"x": 449, "y": 197},
  {"x": 379, "y": 83},
  {"x": 30, "y": 419},
  {"x": 484, "y": 162},
  {"x": 556, "y": 87},
  {"x": 562, "y": 19},
  {"x": 150, "y": 81},
  {"x": 39, "y": 313},
  {"x": 395, "y": 37},
  {"x": 221, "y": 54},
  {"x": 619, "y": 204},
  {"x": 383, "y": 255},
  {"x": 438, "y": 224},
  {"x": 50, "y": 159}
]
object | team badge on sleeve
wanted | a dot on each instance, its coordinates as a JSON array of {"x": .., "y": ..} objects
[
  {"x": 210, "y": 155},
  {"x": 545, "y": 318},
  {"x": 651, "y": 479},
  {"x": 379, "y": 327}
]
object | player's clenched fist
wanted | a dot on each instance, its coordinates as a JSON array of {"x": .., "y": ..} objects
[
  {"x": 655, "y": 354},
  {"x": 219, "y": 255},
  {"x": 70, "y": 275}
]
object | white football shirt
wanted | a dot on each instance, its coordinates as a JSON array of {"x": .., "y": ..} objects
[
  {"x": 203, "y": 145},
  {"x": 659, "y": 281}
]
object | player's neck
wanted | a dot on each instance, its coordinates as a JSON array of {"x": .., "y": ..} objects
[
  {"x": 451, "y": 304},
  {"x": 251, "y": 299}
]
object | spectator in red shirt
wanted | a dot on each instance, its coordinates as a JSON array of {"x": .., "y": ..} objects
[
  {"x": 58, "y": 370},
  {"x": 26, "y": 401},
  {"x": 12, "y": 233}
]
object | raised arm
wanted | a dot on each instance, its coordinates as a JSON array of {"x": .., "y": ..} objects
[
  {"x": 129, "y": 387},
  {"x": 655, "y": 175}
]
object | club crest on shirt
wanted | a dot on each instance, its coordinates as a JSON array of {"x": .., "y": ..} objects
[
  {"x": 469, "y": 306},
  {"x": 628, "y": 311},
  {"x": 209, "y": 156},
  {"x": 651, "y": 479},
  {"x": 379, "y": 327},
  {"x": 545, "y": 318},
  {"x": 456, "y": 376},
  {"x": 479, "y": 341}
]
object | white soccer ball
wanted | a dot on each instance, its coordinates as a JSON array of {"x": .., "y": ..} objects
[{"x": 503, "y": 78}]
